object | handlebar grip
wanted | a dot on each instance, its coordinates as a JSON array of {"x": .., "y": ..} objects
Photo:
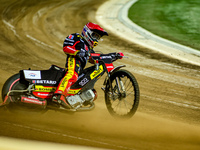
[{"x": 120, "y": 55}]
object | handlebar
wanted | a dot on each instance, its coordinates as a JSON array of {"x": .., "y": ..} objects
[{"x": 106, "y": 58}]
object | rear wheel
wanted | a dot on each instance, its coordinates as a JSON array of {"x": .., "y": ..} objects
[
  {"x": 12, "y": 84},
  {"x": 122, "y": 98},
  {"x": 13, "y": 101}
]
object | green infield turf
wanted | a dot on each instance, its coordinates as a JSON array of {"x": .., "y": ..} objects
[{"x": 176, "y": 20}]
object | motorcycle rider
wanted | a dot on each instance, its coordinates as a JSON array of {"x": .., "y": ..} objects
[{"x": 76, "y": 47}]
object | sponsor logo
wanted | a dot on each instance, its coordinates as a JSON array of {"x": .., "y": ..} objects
[
  {"x": 69, "y": 40},
  {"x": 71, "y": 91},
  {"x": 81, "y": 76},
  {"x": 109, "y": 66},
  {"x": 45, "y": 94},
  {"x": 94, "y": 54},
  {"x": 71, "y": 37},
  {"x": 96, "y": 72},
  {"x": 31, "y": 74},
  {"x": 70, "y": 73},
  {"x": 83, "y": 82},
  {"x": 31, "y": 100},
  {"x": 68, "y": 43},
  {"x": 71, "y": 62},
  {"x": 64, "y": 82},
  {"x": 86, "y": 48},
  {"x": 105, "y": 57},
  {"x": 44, "y": 89},
  {"x": 44, "y": 82}
]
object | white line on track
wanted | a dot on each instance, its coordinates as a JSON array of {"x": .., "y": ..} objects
[
  {"x": 66, "y": 135},
  {"x": 38, "y": 41},
  {"x": 183, "y": 104},
  {"x": 12, "y": 28}
]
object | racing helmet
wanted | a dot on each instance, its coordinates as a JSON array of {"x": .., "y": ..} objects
[{"x": 92, "y": 33}]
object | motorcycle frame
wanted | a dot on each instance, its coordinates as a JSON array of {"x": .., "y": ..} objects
[{"x": 109, "y": 72}]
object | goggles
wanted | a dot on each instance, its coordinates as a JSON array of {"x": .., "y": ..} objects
[{"x": 95, "y": 36}]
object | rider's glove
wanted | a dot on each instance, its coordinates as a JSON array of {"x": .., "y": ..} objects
[
  {"x": 119, "y": 55},
  {"x": 81, "y": 53}
]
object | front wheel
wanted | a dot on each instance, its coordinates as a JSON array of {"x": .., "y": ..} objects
[{"x": 122, "y": 94}]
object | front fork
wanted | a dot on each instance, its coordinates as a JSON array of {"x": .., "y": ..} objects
[
  {"x": 116, "y": 92},
  {"x": 119, "y": 89},
  {"x": 120, "y": 85}
]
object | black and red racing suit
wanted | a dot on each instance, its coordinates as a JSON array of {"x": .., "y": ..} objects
[{"x": 74, "y": 64}]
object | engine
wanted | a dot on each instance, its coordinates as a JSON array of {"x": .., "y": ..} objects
[
  {"x": 87, "y": 95},
  {"x": 77, "y": 100}
]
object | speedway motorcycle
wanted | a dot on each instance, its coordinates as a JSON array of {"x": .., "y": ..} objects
[{"x": 33, "y": 89}]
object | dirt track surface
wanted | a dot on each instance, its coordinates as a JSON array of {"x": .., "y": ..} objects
[{"x": 31, "y": 36}]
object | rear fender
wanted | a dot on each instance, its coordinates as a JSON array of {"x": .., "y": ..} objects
[
  {"x": 22, "y": 78},
  {"x": 49, "y": 77}
]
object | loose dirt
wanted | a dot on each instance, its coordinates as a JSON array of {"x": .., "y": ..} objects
[{"x": 31, "y": 36}]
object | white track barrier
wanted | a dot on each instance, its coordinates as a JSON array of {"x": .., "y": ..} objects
[{"x": 112, "y": 15}]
